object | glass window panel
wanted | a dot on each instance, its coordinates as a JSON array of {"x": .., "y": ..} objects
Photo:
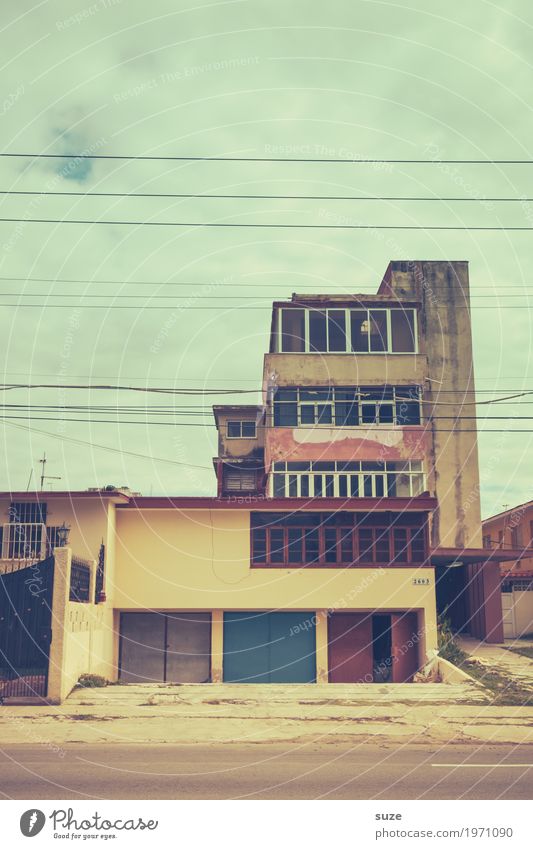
[
  {"x": 402, "y": 486},
  {"x": 400, "y": 545},
  {"x": 343, "y": 486},
  {"x": 354, "y": 486},
  {"x": 402, "y": 330},
  {"x": 382, "y": 545},
  {"x": 386, "y": 414},
  {"x": 407, "y": 412},
  {"x": 346, "y": 394},
  {"x": 295, "y": 547},
  {"x": 259, "y": 545},
  {"x": 315, "y": 395},
  {"x": 302, "y": 466},
  {"x": 330, "y": 545},
  {"x": 248, "y": 429},
  {"x": 323, "y": 466},
  {"x": 337, "y": 330},
  {"x": 367, "y": 486},
  {"x": 416, "y": 465},
  {"x": 325, "y": 414},
  {"x": 279, "y": 486},
  {"x": 369, "y": 413},
  {"x": 304, "y": 485},
  {"x": 378, "y": 330},
  {"x": 317, "y": 483},
  {"x": 346, "y": 540},
  {"x": 359, "y": 330},
  {"x": 234, "y": 429},
  {"x": 379, "y": 479},
  {"x": 391, "y": 485},
  {"x": 311, "y": 546},
  {"x": 285, "y": 414},
  {"x": 279, "y": 466},
  {"x": 372, "y": 466},
  {"x": 293, "y": 486},
  {"x": 417, "y": 484},
  {"x": 317, "y": 331},
  {"x": 286, "y": 395},
  {"x": 307, "y": 414},
  {"x": 417, "y": 546},
  {"x": 366, "y": 547},
  {"x": 293, "y": 330},
  {"x": 346, "y": 414},
  {"x": 277, "y": 548},
  {"x": 349, "y": 466},
  {"x": 329, "y": 486}
]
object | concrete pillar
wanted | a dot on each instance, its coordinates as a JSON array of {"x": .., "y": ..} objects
[
  {"x": 492, "y": 603},
  {"x": 60, "y": 598},
  {"x": 217, "y": 645},
  {"x": 321, "y": 634}
]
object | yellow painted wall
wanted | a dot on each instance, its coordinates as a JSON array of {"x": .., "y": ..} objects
[{"x": 200, "y": 560}]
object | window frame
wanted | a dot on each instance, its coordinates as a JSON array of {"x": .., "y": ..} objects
[
  {"x": 241, "y": 422},
  {"x": 380, "y": 535},
  {"x": 358, "y": 405},
  {"x": 413, "y": 311}
]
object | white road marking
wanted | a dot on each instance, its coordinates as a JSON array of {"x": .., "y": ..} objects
[{"x": 486, "y": 766}]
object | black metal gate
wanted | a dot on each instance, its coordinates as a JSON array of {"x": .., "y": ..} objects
[{"x": 25, "y": 629}]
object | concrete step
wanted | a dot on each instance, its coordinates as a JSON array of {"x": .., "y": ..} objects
[{"x": 262, "y": 695}]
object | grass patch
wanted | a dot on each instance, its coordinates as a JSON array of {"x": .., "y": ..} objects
[
  {"x": 503, "y": 691},
  {"x": 525, "y": 651}
]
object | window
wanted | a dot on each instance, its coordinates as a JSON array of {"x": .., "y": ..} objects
[
  {"x": 336, "y": 406},
  {"x": 293, "y": 330},
  {"x": 241, "y": 430},
  {"x": 347, "y": 479},
  {"x": 516, "y": 537},
  {"x": 25, "y": 512},
  {"x": 337, "y": 330},
  {"x": 403, "y": 331},
  {"x": 238, "y": 480},
  {"x": 335, "y": 539}
]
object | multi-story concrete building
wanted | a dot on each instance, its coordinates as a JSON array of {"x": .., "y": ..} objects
[{"x": 346, "y": 516}]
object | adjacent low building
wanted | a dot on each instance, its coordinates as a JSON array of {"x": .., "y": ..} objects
[{"x": 346, "y": 517}]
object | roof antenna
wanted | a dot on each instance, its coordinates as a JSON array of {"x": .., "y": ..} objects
[{"x": 47, "y": 477}]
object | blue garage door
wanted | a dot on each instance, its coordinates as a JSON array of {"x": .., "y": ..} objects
[{"x": 269, "y": 648}]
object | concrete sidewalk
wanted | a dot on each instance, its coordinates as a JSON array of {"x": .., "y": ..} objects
[
  {"x": 497, "y": 657},
  {"x": 411, "y": 713}
]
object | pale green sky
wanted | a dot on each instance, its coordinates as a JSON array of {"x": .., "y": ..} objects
[{"x": 352, "y": 79}]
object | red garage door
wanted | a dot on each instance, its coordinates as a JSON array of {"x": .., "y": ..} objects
[{"x": 350, "y": 650}]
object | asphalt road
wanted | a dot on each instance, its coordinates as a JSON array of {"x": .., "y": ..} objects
[{"x": 267, "y": 772}]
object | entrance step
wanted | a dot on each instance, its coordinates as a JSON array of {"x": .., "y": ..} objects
[{"x": 264, "y": 695}]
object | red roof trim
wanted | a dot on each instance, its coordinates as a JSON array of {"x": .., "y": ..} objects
[
  {"x": 73, "y": 494},
  {"x": 254, "y": 502}
]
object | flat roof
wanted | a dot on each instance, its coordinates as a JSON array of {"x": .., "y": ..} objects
[
  {"x": 69, "y": 494},
  {"x": 420, "y": 504}
]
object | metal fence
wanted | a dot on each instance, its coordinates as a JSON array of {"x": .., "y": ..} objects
[{"x": 80, "y": 580}]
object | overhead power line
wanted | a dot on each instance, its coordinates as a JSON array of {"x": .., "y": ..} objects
[
  {"x": 218, "y": 307},
  {"x": 277, "y": 226},
  {"x": 109, "y": 448},
  {"x": 266, "y": 197},
  {"x": 358, "y": 429},
  {"x": 337, "y": 161},
  {"x": 227, "y": 283}
]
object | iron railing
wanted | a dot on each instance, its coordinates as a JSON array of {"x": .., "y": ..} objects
[{"x": 80, "y": 580}]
